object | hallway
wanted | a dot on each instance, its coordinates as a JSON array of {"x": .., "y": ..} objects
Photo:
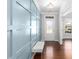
[
  {"x": 53, "y": 50},
  {"x": 37, "y": 28}
]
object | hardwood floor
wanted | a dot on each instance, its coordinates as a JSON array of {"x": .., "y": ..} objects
[{"x": 53, "y": 50}]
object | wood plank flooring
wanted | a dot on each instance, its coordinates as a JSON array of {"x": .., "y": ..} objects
[{"x": 53, "y": 50}]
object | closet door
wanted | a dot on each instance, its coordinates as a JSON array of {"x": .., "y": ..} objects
[
  {"x": 21, "y": 43},
  {"x": 9, "y": 32},
  {"x": 33, "y": 23},
  {"x": 38, "y": 25}
]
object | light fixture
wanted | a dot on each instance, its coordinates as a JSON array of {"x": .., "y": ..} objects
[{"x": 50, "y": 5}]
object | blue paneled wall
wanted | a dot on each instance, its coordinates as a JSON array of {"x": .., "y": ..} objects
[{"x": 24, "y": 30}]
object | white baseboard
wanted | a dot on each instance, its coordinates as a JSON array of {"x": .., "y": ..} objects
[{"x": 52, "y": 40}]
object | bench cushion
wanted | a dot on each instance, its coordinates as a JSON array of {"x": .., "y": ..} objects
[{"x": 38, "y": 47}]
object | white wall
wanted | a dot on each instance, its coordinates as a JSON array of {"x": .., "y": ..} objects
[{"x": 63, "y": 20}]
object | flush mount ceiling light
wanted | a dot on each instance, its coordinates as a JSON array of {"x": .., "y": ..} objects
[{"x": 50, "y": 5}]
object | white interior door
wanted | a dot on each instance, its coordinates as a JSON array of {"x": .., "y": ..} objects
[{"x": 50, "y": 28}]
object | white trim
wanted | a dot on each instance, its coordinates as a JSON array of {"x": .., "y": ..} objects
[{"x": 61, "y": 41}]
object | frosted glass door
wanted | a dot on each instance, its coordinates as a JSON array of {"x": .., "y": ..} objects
[
  {"x": 33, "y": 23},
  {"x": 21, "y": 43},
  {"x": 24, "y": 3}
]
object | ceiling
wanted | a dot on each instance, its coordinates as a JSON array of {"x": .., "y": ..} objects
[
  {"x": 65, "y": 6},
  {"x": 48, "y": 3}
]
